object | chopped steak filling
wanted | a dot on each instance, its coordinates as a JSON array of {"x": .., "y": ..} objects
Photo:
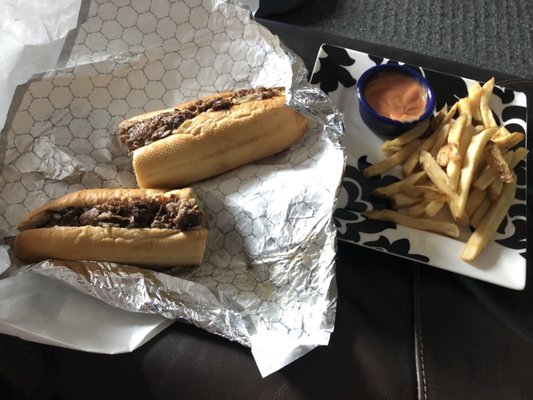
[
  {"x": 141, "y": 133},
  {"x": 166, "y": 213}
]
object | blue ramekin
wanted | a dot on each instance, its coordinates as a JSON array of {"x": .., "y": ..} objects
[{"x": 380, "y": 124}]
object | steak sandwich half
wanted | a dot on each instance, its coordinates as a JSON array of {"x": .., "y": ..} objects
[
  {"x": 202, "y": 138},
  {"x": 132, "y": 226}
]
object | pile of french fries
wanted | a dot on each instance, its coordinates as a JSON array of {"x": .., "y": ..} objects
[{"x": 457, "y": 171}]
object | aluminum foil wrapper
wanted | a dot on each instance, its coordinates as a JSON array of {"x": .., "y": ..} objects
[
  {"x": 267, "y": 280},
  {"x": 145, "y": 291}
]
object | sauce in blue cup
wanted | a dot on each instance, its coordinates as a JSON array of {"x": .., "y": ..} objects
[{"x": 394, "y": 98}]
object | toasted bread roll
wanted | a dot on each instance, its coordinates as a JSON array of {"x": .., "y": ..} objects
[
  {"x": 199, "y": 139},
  {"x": 132, "y": 226}
]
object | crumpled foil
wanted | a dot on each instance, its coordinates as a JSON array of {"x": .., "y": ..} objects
[
  {"x": 267, "y": 280},
  {"x": 145, "y": 291}
]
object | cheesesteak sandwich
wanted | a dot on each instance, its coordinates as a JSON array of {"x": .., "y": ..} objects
[
  {"x": 202, "y": 138},
  {"x": 132, "y": 226}
]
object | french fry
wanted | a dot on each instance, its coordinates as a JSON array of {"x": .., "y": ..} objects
[
  {"x": 443, "y": 156},
  {"x": 401, "y": 200},
  {"x": 434, "y": 207},
  {"x": 437, "y": 119},
  {"x": 458, "y": 145},
  {"x": 423, "y": 191},
  {"x": 407, "y": 137},
  {"x": 478, "y": 129},
  {"x": 485, "y": 178},
  {"x": 436, "y": 174},
  {"x": 484, "y": 106},
  {"x": 496, "y": 186},
  {"x": 440, "y": 138},
  {"x": 475, "y": 198},
  {"x": 393, "y": 188},
  {"x": 488, "y": 175},
  {"x": 455, "y": 134},
  {"x": 501, "y": 133},
  {"x": 390, "y": 150},
  {"x": 495, "y": 189},
  {"x": 465, "y": 109},
  {"x": 518, "y": 155},
  {"x": 474, "y": 94},
  {"x": 426, "y": 224},
  {"x": 473, "y": 156},
  {"x": 391, "y": 161},
  {"x": 487, "y": 228},
  {"x": 479, "y": 212},
  {"x": 509, "y": 141},
  {"x": 497, "y": 163},
  {"x": 412, "y": 161},
  {"x": 416, "y": 210},
  {"x": 449, "y": 115}
]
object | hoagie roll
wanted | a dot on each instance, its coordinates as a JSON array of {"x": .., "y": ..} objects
[
  {"x": 205, "y": 137},
  {"x": 131, "y": 226}
]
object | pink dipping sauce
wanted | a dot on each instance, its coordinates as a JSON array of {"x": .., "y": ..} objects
[{"x": 396, "y": 96}]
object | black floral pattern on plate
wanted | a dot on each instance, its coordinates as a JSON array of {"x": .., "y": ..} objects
[
  {"x": 351, "y": 219},
  {"x": 514, "y": 112},
  {"x": 448, "y": 88},
  {"x": 332, "y": 69},
  {"x": 505, "y": 94},
  {"x": 515, "y": 215},
  {"x": 399, "y": 247}
]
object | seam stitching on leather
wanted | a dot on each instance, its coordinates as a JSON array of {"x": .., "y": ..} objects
[{"x": 421, "y": 343}]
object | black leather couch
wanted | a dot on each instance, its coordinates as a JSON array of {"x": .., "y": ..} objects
[{"x": 403, "y": 330}]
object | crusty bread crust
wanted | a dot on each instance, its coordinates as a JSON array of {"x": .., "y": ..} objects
[
  {"x": 149, "y": 247},
  {"x": 218, "y": 141},
  {"x": 146, "y": 246},
  {"x": 91, "y": 197}
]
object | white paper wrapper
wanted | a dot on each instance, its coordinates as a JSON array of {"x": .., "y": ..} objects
[
  {"x": 32, "y": 34},
  {"x": 55, "y": 314},
  {"x": 267, "y": 280}
]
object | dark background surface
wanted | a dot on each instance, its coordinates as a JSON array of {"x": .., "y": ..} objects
[
  {"x": 402, "y": 331},
  {"x": 490, "y": 34}
]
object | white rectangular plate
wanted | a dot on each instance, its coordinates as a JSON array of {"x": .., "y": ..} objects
[{"x": 503, "y": 262}]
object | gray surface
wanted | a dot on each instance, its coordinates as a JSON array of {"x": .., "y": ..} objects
[{"x": 495, "y": 35}]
